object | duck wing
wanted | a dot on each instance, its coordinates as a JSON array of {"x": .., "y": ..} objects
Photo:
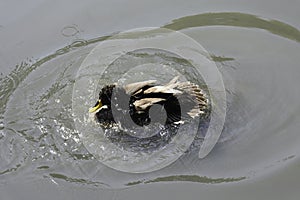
[
  {"x": 190, "y": 94},
  {"x": 144, "y": 103},
  {"x": 169, "y": 88},
  {"x": 189, "y": 97},
  {"x": 133, "y": 88}
]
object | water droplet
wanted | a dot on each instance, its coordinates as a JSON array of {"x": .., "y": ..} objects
[{"x": 53, "y": 152}]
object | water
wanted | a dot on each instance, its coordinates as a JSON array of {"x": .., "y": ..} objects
[{"x": 256, "y": 157}]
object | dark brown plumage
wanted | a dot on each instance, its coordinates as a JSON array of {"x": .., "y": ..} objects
[
  {"x": 144, "y": 116},
  {"x": 139, "y": 104}
]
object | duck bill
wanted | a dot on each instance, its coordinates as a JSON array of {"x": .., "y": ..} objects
[{"x": 96, "y": 107}]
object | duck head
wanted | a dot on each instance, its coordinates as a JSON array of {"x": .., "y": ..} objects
[{"x": 104, "y": 101}]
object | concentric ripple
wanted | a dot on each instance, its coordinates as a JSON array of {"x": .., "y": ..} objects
[{"x": 39, "y": 139}]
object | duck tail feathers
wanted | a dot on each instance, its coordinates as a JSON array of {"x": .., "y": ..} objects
[{"x": 197, "y": 95}]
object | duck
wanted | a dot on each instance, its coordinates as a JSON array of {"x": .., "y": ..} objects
[{"x": 139, "y": 104}]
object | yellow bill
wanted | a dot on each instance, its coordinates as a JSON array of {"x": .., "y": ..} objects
[{"x": 96, "y": 107}]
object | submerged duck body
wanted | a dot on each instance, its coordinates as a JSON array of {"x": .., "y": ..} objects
[{"x": 157, "y": 111}]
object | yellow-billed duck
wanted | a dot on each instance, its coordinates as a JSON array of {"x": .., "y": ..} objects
[{"x": 140, "y": 103}]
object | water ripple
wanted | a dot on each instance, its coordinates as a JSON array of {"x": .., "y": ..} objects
[{"x": 37, "y": 135}]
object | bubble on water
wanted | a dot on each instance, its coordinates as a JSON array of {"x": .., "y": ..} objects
[{"x": 69, "y": 31}]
